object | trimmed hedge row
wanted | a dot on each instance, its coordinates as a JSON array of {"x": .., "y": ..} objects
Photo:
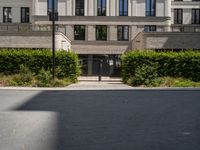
[
  {"x": 175, "y": 64},
  {"x": 35, "y": 60}
]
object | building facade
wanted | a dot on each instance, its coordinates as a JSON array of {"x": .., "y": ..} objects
[{"x": 101, "y": 29}]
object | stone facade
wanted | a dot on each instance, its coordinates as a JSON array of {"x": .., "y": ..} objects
[
  {"x": 136, "y": 20},
  {"x": 167, "y": 40},
  {"x": 33, "y": 39}
]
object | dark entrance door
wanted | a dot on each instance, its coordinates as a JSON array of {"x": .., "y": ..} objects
[{"x": 110, "y": 65}]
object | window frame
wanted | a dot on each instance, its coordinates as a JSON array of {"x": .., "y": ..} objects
[
  {"x": 80, "y": 9},
  {"x": 100, "y": 11},
  {"x": 122, "y": 37},
  {"x": 195, "y": 19},
  {"x": 26, "y": 17},
  {"x": 178, "y": 20},
  {"x": 123, "y": 12},
  {"x": 150, "y": 28},
  {"x": 79, "y": 37},
  {"x": 150, "y": 10},
  {"x": 6, "y": 18},
  {"x": 101, "y": 29}
]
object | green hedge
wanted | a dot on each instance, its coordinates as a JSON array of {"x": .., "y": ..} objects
[
  {"x": 175, "y": 64},
  {"x": 35, "y": 60}
]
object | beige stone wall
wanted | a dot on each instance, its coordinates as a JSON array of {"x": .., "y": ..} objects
[
  {"x": 16, "y": 8},
  {"x": 167, "y": 40},
  {"x": 33, "y": 40},
  {"x": 100, "y": 47}
]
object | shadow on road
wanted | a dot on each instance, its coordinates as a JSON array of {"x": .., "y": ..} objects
[{"x": 123, "y": 119}]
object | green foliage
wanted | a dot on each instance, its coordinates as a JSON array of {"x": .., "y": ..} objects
[
  {"x": 24, "y": 77},
  {"x": 144, "y": 74},
  {"x": 177, "y": 82},
  {"x": 60, "y": 83},
  {"x": 44, "y": 78},
  {"x": 174, "y": 64},
  {"x": 35, "y": 60}
]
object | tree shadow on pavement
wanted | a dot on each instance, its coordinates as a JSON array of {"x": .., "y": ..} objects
[{"x": 122, "y": 119}]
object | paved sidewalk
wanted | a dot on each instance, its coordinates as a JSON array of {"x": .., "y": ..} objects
[{"x": 92, "y": 85}]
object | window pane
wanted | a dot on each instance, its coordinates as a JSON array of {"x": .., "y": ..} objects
[
  {"x": 150, "y": 7},
  {"x": 101, "y": 7},
  {"x": 24, "y": 15},
  {"x": 101, "y": 33},
  {"x": 7, "y": 15},
  {"x": 79, "y": 32},
  {"x": 123, "y": 7},
  {"x": 150, "y": 28},
  {"x": 79, "y": 8},
  {"x": 123, "y": 33}
]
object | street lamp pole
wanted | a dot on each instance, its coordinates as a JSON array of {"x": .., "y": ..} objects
[{"x": 53, "y": 38}]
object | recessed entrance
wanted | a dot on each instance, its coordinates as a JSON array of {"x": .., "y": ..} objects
[{"x": 108, "y": 65}]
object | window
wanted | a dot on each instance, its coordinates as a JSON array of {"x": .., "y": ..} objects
[
  {"x": 150, "y": 28},
  {"x": 101, "y": 7},
  {"x": 7, "y": 15},
  {"x": 24, "y": 15},
  {"x": 195, "y": 16},
  {"x": 178, "y": 16},
  {"x": 79, "y": 32},
  {"x": 101, "y": 33},
  {"x": 123, "y": 7},
  {"x": 123, "y": 33},
  {"x": 150, "y": 7},
  {"x": 79, "y": 8}
]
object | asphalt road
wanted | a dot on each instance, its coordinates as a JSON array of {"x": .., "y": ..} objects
[{"x": 100, "y": 120}]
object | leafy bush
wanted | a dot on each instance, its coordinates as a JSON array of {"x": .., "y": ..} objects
[
  {"x": 24, "y": 77},
  {"x": 35, "y": 60},
  {"x": 144, "y": 75},
  {"x": 174, "y": 64},
  {"x": 44, "y": 78}
]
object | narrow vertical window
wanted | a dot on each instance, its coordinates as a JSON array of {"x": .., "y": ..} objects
[
  {"x": 123, "y": 7},
  {"x": 25, "y": 15},
  {"x": 101, "y": 7},
  {"x": 178, "y": 16},
  {"x": 101, "y": 33},
  {"x": 123, "y": 33},
  {"x": 195, "y": 16},
  {"x": 79, "y": 11},
  {"x": 7, "y": 15},
  {"x": 79, "y": 32},
  {"x": 150, "y": 7}
]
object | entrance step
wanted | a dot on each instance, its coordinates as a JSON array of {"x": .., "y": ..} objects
[{"x": 103, "y": 78}]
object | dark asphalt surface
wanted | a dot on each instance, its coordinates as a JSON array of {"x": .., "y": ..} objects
[{"x": 100, "y": 120}]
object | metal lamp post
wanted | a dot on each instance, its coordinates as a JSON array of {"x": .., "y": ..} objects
[{"x": 53, "y": 16}]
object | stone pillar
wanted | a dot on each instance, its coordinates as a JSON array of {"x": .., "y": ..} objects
[
  {"x": 168, "y": 14},
  {"x": 73, "y": 7},
  {"x": 113, "y": 33},
  {"x": 86, "y": 8},
  {"x": 112, "y": 7},
  {"x": 129, "y": 8},
  {"x": 168, "y": 8},
  {"x": 91, "y": 33},
  {"x": 95, "y": 8},
  {"x": 108, "y": 8},
  {"x": 133, "y": 8},
  {"x": 90, "y": 7}
]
